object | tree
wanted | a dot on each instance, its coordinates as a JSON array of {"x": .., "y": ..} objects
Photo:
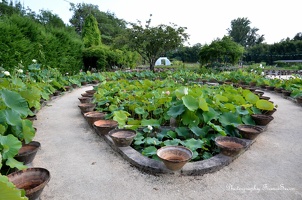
[
  {"x": 242, "y": 33},
  {"x": 109, "y": 25},
  {"x": 298, "y": 36},
  {"x": 153, "y": 42},
  {"x": 221, "y": 51},
  {"x": 47, "y": 18},
  {"x": 186, "y": 54},
  {"x": 91, "y": 34}
]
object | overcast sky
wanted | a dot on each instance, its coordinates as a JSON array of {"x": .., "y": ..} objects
[{"x": 205, "y": 20}]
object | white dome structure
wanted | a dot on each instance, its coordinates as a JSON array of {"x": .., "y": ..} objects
[{"x": 162, "y": 61}]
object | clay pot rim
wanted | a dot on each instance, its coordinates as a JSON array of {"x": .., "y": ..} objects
[
  {"x": 110, "y": 123},
  {"x": 262, "y": 116},
  {"x": 133, "y": 133},
  {"x": 187, "y": 150},
  {"x": 32, "y": 143},
  {"x": 38, "y": 187},
  {"x": 86, "y": 105},
  {"x": 94, "y": 114},
  {"x": 257, "y": 128},
  {"x": 231, "y": 139}
]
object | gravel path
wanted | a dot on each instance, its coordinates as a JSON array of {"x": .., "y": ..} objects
[{"x": 84, "y": 167}]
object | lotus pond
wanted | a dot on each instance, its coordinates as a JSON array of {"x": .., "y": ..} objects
[{"x": 164, "y": 112}]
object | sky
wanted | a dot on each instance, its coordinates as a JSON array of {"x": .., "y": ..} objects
[{"x": 205, "y": 20}]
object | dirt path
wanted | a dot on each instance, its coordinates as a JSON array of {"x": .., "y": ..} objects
[{"x": 84, "y": 167}]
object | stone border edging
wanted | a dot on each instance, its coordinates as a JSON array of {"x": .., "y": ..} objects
[{"x": 152, "y": 166}]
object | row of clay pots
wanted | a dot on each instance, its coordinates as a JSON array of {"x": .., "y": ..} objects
[
  {"x": 173, "y": 157},
  {"x": 232, "y": 146}
]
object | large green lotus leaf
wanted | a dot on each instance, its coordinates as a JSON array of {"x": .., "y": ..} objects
[
  {"x": 183, "y": 132},
  {"x": 139, "y": 110},
  {"x": 193, "y": 144},
  {"x": 151, "y": 122},
  {"x": 11, "y": 146},
  {"x": 172, "y": 134},
  {"x": 10, "y": 117},
  {"x": 209, "y": 115},
  {"x": 180, "y": 92},
  {"x": 14, "y": 101},
  {"x": 247, "y": 119},
  {"x": 113, "y": 107},
  {"x": 220, "y": 97},
  {"x": 158, "y": 111},
  {"x": 251, "y": 97},
  {"x": 149, "y": 151},
  {"x": 152, "y": 141},
  {"x": 190, "y": 118},
  {"x": 13, "y": 163},
  {"x": 229, "y": 118},
  {"x": 241, "y": 110},
  {"x": 203, "y": 104},
  {"x": 2, "y": 130},
  {"x": 173, "y": 142},
  {"x": 17, "y": 82},
  {"x": 176, "y": 110},
  {"x": 200, "y": 132},
  {"x": 190, "y": 102},
  {"x": 264, "y": 105},
  {"x": 133, "y": 122},
  {"x": 239, "y": 99},
  {"x": 28, "y": 130},
  {"x": 217, "y": 128},
  {"x": 10, "y": 192},
  {"x": 230, "y": 107},
  {"x": 32, "y": 95}
]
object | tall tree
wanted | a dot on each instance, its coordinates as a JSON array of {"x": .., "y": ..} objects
[
  {"x": 153, "y": 42},
  {"x": 91, "y": 34},
  {"x": 109, "y": 25},
  {"x": 223, "y": 50},
  {"x": 243, "y": 33}
]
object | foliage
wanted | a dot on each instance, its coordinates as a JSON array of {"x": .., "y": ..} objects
[
  {"x": 9, "y": 190},
  {"x": 221, "y": 51},
  {"x": 91, "y": 34},
  {"x": 109, "y": 25},
  {"x": 25, "y": 39},
  {"x": 152, "y": 42},
  {"x": 243, "y": 34}
]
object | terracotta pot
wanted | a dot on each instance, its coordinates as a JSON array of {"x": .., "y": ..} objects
[
  {"x": 83, "y": 83},
  {"x": 86, "y": 107},
  {"x": 261, "y": 119},
  {"x": 299, "y": 100},
  {"x": 278, "y": 90},
  {"x": 74, "y": 85},
  {"x": 28, "y": 152},
  {"x": 249, "y": 131},
  {"x": 67, "y": 88},
  {"x": 90, "y": 91},
  {"x": 269, "y": 112},
  {"x": 286, "y": 92},
  {"x": 270, "y": 88},
  {"x": 86, "y": 95},
  {"x": 93, "y": 116},
  {"x": 264, "y": 97},
  {"x": 259, "y": 93},
  {"x": 57, "y": 93},
  {"x": 85, "y": 99},
  {"x": 174, "y": 157},
  {"x": 104, "y": 126},
  {"x": 122, "y": 137},
  {"x": 32, "y": 180},
  {"x": 230, "y": 146}
]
